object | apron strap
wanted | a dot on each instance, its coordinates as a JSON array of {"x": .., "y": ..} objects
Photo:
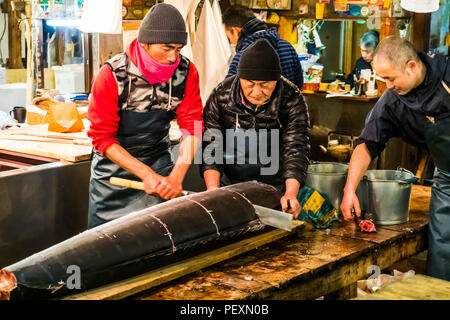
[
  {"x": 170, "y": 94},
  {"x": 445, "y": 86}
]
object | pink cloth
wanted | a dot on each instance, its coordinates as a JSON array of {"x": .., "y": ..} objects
[{"x": 153, "y": 71}]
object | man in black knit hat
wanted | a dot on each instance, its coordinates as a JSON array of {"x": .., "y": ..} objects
[
  {"x": 256, "y": 127},
  {"x": 134, "y": 97}
]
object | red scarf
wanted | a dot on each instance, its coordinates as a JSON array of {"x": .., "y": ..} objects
[{"x": 153, "y": 71}]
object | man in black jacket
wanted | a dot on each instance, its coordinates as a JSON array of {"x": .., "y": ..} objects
[
  {"x": 257, "y": 126},
  {"x": 416, "y": 107}
]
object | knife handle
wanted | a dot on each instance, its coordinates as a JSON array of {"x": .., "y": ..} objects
[
  {"x": 127, "y": 183},
  {"x": 134, "y": 185}
]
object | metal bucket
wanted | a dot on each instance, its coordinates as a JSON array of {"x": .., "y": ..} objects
[
  {"x": 384, "y": 195},
  {"x": 328, "y": 178}
]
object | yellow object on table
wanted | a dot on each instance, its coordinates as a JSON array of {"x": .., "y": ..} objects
[
  {"x": 34, "y": 118},
  {"x": 323, "y": 86},
  {"x": 64, "y": 117}
]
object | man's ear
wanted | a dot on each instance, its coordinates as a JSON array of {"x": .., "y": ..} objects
[{"x": 412, "y": 67}]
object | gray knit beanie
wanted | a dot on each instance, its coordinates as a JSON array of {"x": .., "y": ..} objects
[{"x": 163, "y": 23}]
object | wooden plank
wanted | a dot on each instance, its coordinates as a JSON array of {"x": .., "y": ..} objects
[
  {"x": 43, "y": 129},
  {"x": 14, "y": 46},
  {"x": 31, "y": 51},
  {"x": 109, "y": 45},
  {"x": 421, "y": 167},
  {"x": 419, "y": 287},
  {"x": 38, "y": 25},
  {"x": 72, "y": 153},
  {"x": 64, "y": 151},
  {"x": 88, "y": 61},
  {"x": 348, "y": 41},
  {"x": 421, "y": 31},
  {"x": 125, "y": 288},
  {"x": 349, "y": 229},
  {"x": 23, "y": 157},
  {"x": 347, "y": 292}
]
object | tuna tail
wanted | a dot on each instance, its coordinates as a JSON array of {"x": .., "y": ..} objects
[{"x": 8, "y": 283}]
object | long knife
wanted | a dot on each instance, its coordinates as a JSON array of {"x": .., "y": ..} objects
[
  {"x": 270, "y": 217},
  {"x": 274, "y": 218}
]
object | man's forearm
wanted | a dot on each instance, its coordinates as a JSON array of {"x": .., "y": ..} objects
[
  {"x": 359, "y": 163},
  {"x": 292, "y": 186},
  {"x": 212, "y": 178},
  {"x": 188, "y": 147},
  {"x": 121, "y": 157}
]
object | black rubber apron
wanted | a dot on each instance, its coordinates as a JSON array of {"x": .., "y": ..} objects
[
  {"x": 108, "y": 202},
  {"x": 437, "y": 137},
  {"x": 246, "y": 166}
]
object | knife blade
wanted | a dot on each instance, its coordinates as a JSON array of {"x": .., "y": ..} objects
[{"x": 274, "y": 218}]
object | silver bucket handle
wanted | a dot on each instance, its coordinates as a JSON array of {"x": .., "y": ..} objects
[{"x": 411, "y": 180}]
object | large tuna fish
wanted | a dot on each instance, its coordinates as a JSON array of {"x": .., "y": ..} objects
[{"x": 142, "y": 240}]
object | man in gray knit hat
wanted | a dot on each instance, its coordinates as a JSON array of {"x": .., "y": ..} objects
[
  {"x": 134, "y": 97},
  {"x": 259, "y": 114}
]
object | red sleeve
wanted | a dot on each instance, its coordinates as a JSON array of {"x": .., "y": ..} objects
[
  {"x": 103, "y": 110},
  {"x": 190, "y": 111}
]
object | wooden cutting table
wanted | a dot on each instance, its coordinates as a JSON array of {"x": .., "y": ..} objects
[{"x": 306, "y": 265}]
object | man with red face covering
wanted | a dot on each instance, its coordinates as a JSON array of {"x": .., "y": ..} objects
[{"x": 134, "y": 97}]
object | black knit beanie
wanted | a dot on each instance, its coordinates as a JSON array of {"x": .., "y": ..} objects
[
  {"x": 163, "y": 23},
  {"x": 259, "y": 62}
]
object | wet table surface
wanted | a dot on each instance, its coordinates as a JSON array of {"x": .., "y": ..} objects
[{"x": 306, "y": 265}]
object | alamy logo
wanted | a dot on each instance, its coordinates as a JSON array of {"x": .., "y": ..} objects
[
  {"x": 74, "y": 280},
  {"x": 239, "y": 146},
  {"x": 374, "y": 281}
]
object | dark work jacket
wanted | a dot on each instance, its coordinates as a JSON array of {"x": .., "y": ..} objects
[
  {"x": 360, "y": 64},
  {"x": 256, "y": 29},
  {"x": 286, "y": 111},
  {"x": 405, "y": 116}
]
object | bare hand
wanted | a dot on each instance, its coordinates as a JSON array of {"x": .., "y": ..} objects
[
  {"x": 349, "y": 202},
  {"x": 293, "y": 207},
  {"x": 169, "y": 188},
  {"x": 151, "y": 181}
]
